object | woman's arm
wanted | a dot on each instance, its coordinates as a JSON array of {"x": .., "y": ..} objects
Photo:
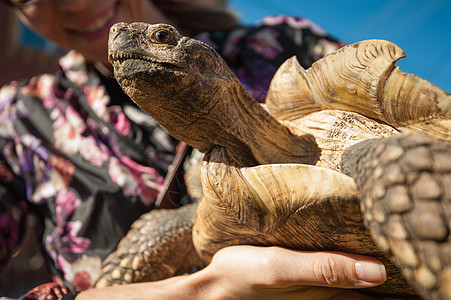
[{"x": 248, "y": 272}]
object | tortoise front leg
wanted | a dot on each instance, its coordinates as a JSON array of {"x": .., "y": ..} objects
[
  {"x": 405, "y": 187},
  {"x": 158, "y": 245}
]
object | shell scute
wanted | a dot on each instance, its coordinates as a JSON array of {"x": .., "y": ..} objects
[{"x": 362, "y": 78}]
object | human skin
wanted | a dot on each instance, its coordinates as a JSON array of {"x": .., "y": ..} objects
[
  {"x": 248, "y": 272},
  {"x": 83, "y": 25},
  {"x": 239, "y": 272}
]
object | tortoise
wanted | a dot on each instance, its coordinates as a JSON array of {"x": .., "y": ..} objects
[{"x": 351, "y": 154}]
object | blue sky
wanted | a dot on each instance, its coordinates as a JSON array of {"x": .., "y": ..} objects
[{"x": 422, "y": 28}]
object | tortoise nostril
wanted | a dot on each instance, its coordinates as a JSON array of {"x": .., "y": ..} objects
[{"x": 117, "y": 28}]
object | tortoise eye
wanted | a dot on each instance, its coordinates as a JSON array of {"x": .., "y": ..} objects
[{"x": 163, "y": 36}]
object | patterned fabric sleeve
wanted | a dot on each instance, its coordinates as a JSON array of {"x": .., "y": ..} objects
[
  {"x": 12, "y": 216},
  {"x": 13, "y": 208},
  {"x": 78, "y": 169},
  {"x": 50, "y": 290}
]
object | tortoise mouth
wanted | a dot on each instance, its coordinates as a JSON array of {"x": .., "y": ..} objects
[{"x": 122, "y": 56}]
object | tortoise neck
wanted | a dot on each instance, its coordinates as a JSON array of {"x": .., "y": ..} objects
[
  {"x": 220, "y": 112},
  {"x": 262, "y": 138}
]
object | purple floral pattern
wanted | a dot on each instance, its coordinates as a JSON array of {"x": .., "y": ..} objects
[
  {"x": 265, "y": 43},
  {"x": 82, "y": 272},
  {"x": 48, "y": 174},
  {"x": 134, "y": 179}
]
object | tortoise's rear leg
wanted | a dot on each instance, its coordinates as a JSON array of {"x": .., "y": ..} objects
[
  {"x": 158, "y": 245},
  {"x": 405, "y": 187}
]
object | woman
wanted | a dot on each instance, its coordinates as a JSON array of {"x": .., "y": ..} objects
[{"x": 76, "y": 151}]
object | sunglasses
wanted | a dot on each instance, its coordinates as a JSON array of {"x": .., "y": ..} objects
[{"x": 20, "y": 3}]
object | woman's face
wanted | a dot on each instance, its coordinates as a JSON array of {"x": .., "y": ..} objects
[{"x": 83, "y": 25}]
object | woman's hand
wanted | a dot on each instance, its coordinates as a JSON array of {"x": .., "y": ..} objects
[{"x": 248, "y": 272}]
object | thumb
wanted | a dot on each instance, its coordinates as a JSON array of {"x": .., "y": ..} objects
[
  {"x": 275, "y": 266},
  {"x": 343, "y": 270}
]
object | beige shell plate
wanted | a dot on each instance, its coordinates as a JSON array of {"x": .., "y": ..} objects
[
  {"x": 291, "y": 205},
  {"x": 362, "y": 78}
]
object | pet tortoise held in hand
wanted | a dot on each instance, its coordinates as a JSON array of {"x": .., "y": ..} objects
[{"x": 352, "y": 141}]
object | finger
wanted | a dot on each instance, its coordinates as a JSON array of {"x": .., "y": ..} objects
[
  {"x": 280, "y": 267},
  {"x": 331, "y": 269}
]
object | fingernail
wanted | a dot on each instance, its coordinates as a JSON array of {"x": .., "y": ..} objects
[{"x": 373, "y": 272}]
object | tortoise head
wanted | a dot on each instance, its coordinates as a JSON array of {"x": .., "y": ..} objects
[
  {"x": 175, "y": 79},
  {"x": 190, "y": 91}
]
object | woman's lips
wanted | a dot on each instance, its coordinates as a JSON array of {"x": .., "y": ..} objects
[
  {"x": 99, "y": 23},
  {"x": 99, "y": 27}
]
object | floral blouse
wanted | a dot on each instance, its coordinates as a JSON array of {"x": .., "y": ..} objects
[{"x": 77, "y": 152}]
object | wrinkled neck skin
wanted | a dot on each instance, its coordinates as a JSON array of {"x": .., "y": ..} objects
[
  {"x": 218, "y": 111},
  {"x": 226, "y": 116},
  {"x": 256, "y": 136}
]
